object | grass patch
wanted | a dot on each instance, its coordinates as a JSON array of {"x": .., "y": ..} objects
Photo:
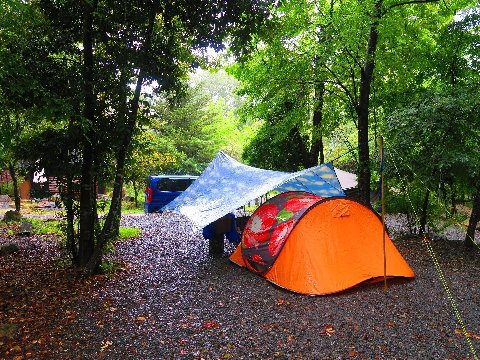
[
  {"x": 43, "y": 227},
  {"x": 128, "y": 232},
  {"x": 133, "y": 210}
]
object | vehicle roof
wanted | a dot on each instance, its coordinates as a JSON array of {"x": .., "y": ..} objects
[{"x": 173, "y": 176}]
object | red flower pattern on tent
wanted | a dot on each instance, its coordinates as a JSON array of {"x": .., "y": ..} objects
[
  {"x": 268, "y": 229},
  {"x": 299, "y": 203},
  {"x": 279, "y": 235},
  {"x": 260, "y": 224}
]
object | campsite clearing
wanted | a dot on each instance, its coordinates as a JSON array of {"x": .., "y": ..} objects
[{"x": 174, "y": 301}]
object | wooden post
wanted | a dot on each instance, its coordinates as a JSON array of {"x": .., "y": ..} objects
[{"x": 382, "y": 191}]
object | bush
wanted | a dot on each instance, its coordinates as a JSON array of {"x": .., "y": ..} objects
[
  {"x": 6, "y": 188},
  {"x": 12, "y": 216}
]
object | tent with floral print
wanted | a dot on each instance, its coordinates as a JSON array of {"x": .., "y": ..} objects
[{"x": 313, "y": 245}]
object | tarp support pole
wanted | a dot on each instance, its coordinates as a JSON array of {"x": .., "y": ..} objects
[{"x": 382, "y": 190}]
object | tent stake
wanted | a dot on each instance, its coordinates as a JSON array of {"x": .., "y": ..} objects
[{"x": 382, "y": 189}]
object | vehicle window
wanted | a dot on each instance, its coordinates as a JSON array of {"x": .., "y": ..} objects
[{"x": 173, "y": 184}]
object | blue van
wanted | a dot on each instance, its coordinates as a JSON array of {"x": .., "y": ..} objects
[{"x": 162, "y": 189}]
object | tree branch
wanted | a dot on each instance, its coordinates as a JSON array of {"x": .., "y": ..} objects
[
  {"x": 410, "y": 2},
  {"x": 341, "y": 85}
]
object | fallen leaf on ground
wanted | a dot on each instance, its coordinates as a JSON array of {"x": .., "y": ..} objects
[
  {"x": 352, "y": 353},
  {"x": 328, "y": 330},
  {"x": 467, "y": 334},
  {"x": 71, "y": 314},
  {"x": 105, "y": 345},
  {"x": 211, "y": 324},
  {"x": 282, "y": 302}
]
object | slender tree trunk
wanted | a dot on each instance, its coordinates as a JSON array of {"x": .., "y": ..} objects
[
  {"x": 453, "y": 198},
  {"x": 424, "y": 214},
  {"x": 135, "y": 191},
  {"x": 87, "y": 190},
  {"x": 115, "y": 231},
  {"x": 16, "y": 193},
  {"x": 316, "y": 151},
  {"x": 106, "y": 234},
  {"x": 67, "y": 196},
  {"x": 474, "y": 219},
  {"x": 363, "y": 107},
  {"x": 123, "y": 113}
]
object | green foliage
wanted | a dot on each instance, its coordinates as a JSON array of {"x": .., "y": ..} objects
[
  {"x": 188, "y": 129},
  {"x": 6, "y": 189},
  {"x": 309, "y": 58},
  {"x": 67, "y": 68},
  {"x": 433, "y": 124},
  {"x": 341, "y": 147},
  {"x": 109, "y": 267},
  {"x": 440, "y": 155},
  {"x": 191, "y": 129},
  {"x": 324, "y": 43},
  {"x": 444, "y": 146},
  {"x": 403, "y": 201},
  {"x": 278, "y": 81},
  {"x": 129, "y": 207},
  {"x": 53, "y": 150},
  {"x": 274, "y": 151}
]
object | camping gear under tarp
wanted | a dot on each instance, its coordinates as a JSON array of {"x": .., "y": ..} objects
[
  {"x": 317, "y": 246},
  {"x": 227, "y": 184}
]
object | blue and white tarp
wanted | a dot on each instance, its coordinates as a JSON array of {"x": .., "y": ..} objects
[{"x": 225, "y": 185}]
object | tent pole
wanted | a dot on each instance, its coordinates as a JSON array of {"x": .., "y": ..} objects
[{"x": 382, "y": 189}]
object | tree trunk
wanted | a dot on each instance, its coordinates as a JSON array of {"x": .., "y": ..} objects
[
  {"x": 424, "y": 214},
  {"x": 123, "y": 113},
  {"x": 135, "y": 191},
  {"x": 16, "y": 193},
  {"x": 87, "y": 190},
  {"x": 115, "y": 231},
  {"x": 67, "y": 199},
  {"x": 106, "y": 233},
  {"x": 316, "y": 151},
  {"x": 453, "y": 198},
  {"x": 363, "y": 107},
  {"x": 474, "y": 219}
]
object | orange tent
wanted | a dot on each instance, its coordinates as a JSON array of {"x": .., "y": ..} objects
[{"x": 316, "y": 246}]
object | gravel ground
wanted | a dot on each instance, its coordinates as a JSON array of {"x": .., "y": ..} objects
[
  {"x": 176, "y": 302},
  {"x": 173, "y": 301}
]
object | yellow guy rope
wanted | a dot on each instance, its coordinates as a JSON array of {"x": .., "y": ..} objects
[{"x": 441, "y": 275}]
